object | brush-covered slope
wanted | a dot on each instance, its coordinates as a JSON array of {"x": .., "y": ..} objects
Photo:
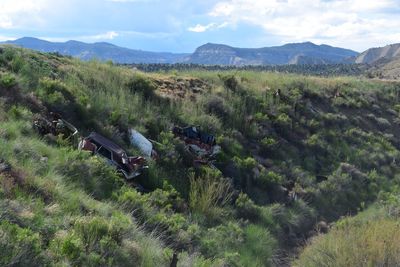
[
  {"x": 385, "y": 68},
  {"x": 297, "y": 154}
]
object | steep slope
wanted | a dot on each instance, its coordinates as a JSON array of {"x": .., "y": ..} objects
[
  {"x": 374, "y": 54},
  {"x": 297, "y": 153},
  {"x": 301, "y": 53},
  {"x": 101, "y": 51}
]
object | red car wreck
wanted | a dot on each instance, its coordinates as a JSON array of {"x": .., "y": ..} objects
[{"x": 130, "y": 167}]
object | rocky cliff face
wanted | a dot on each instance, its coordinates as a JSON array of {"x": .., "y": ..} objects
[
  {"x": 374, "y": 54},
  {"x": 299, "y": 53}
]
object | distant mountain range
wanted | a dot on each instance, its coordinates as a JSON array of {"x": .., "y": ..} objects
[
  {"x": 208, "y": 54},
  {"x": 101, "y": 51}
]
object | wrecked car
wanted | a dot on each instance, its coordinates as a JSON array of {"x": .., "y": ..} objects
[
  {"x": 130, "y": 167},
  {"x": 201, "y": 145},
  {"x": 54, "y": 125}
]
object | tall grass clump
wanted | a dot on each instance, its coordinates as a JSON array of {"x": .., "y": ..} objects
[
  {"x": 373, "y": 243},
  {"x": 209, "y": 193}
]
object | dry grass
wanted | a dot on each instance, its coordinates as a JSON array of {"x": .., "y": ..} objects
[
  {"x": 207, "y": 193},
  {"x": 371, "y": 244}
]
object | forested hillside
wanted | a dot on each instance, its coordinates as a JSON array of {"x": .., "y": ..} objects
[{"x": 298, "y": 155}]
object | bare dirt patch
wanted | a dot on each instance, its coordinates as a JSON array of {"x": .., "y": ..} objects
[{"x": 181, "y": 88}]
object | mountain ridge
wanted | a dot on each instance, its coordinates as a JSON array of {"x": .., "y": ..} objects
[
  {"x": 207, "y": 54},
  {"x": 99, "y": 50}
]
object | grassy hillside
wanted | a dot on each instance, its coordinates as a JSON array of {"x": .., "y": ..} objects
[{"x": 297, "y": 153}]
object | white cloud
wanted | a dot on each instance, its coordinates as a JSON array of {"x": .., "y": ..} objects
[
  {"x": 85, "y": 38},
  {"x": 201, "y": 28},
  {"x": 14, "y": 14},
  {"x": 129, "y": 1},
  {"x": 210, "y": 26},
  {"x": 104, "y": 36},
  {"x": 358, "y": 22}
]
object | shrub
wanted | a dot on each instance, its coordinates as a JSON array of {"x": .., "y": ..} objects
[
  {"x": 230, "y": 82},
  {"x": 94, "y": 175},
  {"x": 283, "y": 123},
  {"x": 217, "y": 106},
  {"x": 7, "y": 80},
  {"x": 258, "y": 248},
  {"x": 156, "y": 210},
  {"x": 382, "y": 122},
  {"x": 53, "y": 92},
  {"x": 232, "y": 235},
  {"x": 19, "y": 246},
  {"x": 246, "y": 207},
  {"x": 268, "y": 178},
  {"x": 209, "y": 123},
  {"x": 230, "y": 146},
  {"x": 346, "y": 189},
  {"x": 141, "y": 85}
]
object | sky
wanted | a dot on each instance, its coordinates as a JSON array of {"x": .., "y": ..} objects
[{"x": 183, "y": 25}]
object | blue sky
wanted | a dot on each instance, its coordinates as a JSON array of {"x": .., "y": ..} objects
[{"x": 183, "y": 25}]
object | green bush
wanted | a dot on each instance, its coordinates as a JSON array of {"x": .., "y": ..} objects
[
  {"x": 53, "y": 92},
  {"x": 268, "y": 144},
  {"x": 268, "y": 178},
  {"x": 219, "y": 107},
  {"x": 7, "y": 80},
  {"x": 246, "y": 207},
  {"x": 140, "y": 84},
  {"x": 92, "y": 174},
  {"x": 19, "y": 246},
  {"x": 230, "y": 82}
]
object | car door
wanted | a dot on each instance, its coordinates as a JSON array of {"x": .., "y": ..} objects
[{"x": 104, "y": 152}]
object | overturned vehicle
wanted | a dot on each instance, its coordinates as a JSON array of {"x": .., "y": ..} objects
[
  {"x": 130, "y": 167},
  {"x": 202, "y": 146}
]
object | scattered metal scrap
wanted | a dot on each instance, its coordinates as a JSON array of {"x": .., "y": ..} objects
[
  {"x": 130, "y": 167},
  {"x": 55, "y": 125},
  {"x": 143, "y": 144},
  {"x": 201, "y": 145}
]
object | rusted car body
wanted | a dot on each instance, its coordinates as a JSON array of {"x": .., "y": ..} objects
[
  {"x": 130, "y": 167},
  {"x": 201, "y": 145}
]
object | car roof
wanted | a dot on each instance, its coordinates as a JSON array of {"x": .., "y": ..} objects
[{"x": 106, "y": 143}]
